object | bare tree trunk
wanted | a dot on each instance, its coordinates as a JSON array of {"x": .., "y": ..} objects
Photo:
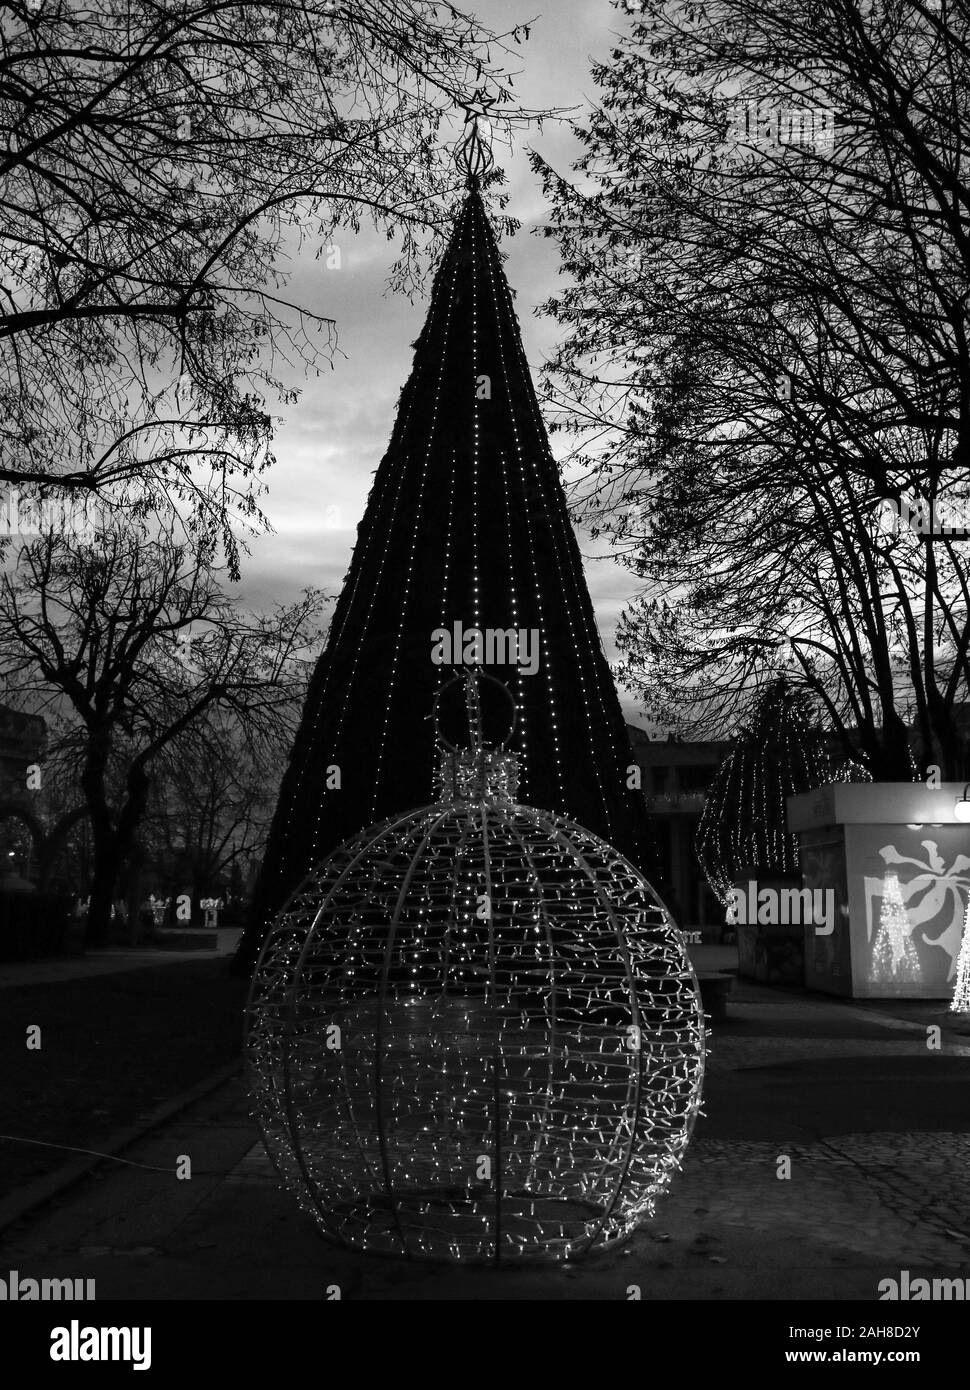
[
  {"x": 946, "y": 738},
  {"x": 136, "y": 863},
  {"x": 102, "y": 895},
  {"x": 897, "y": 763}
]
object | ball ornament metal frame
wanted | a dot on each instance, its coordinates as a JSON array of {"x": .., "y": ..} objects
[{"x": 474, "y": 1032}]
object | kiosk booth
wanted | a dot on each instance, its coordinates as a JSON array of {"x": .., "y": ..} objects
[{"x": 895, "y": 856}]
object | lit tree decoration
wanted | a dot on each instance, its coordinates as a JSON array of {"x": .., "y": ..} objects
[
  {"x": 850, "y": 771},
  {"x": 467, "y": 525},
  {"x": 474, "y": 1032},
  {"x": 894, "y": 956},
  {"x": 743, "y": 827},
  {"x": 960, "y": 1003}
]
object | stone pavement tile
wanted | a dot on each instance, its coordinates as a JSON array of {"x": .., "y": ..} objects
[
  {"x": 859, "y": 1207},
  {"x": 728, "y": 1229},
  {"x": 914, "y": 1181},
  {"x": 141, "y": 1200}
]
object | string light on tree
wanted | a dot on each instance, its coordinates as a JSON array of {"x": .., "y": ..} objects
[
  {"x": 743, "y": 827},
  {"x": 466, "y": 522},
  {"x": 850, "y": 771}
]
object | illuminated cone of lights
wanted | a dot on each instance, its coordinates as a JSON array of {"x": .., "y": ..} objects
[
  {"x": 466, "y": 528},
  {"x": 474, "y": 1032},
  {"x": 894, "y": 957},
  {"x": 960, "y": 1003},
  {"x": 743, "y": 830}
]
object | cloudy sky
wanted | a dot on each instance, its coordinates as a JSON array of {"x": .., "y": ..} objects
[{"x": 332, "y": 440}]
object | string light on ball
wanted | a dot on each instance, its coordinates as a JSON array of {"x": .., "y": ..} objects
[
  {"x": 466, "y": 528},
  {"x": 474, "y": 1033}
]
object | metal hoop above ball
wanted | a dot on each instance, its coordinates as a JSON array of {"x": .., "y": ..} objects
[
  {"x": 474, "y": 153},
  {"x": 473, "y": 706}
]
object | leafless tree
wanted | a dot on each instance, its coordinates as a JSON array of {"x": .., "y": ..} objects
[
  {"x": 156, "y": 156},
  {"x": 767, "y": 352},
  {"x": 212, "y": 799},
  {"x": 136, "y": 637}
]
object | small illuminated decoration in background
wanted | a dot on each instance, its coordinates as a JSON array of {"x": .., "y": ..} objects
[
  {"x": 211, "y": 907},
  {"x": 743, "y": 831},
  {"x": 961, "y": 808},
  {"x": 960, "y": 1003},
  {"x": 474, "y": 1032},
  {"x": 850, "y": 771},
  {"x": 893, "y": 953}
]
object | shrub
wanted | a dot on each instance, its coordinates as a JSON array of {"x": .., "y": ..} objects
[{"x": 35, "y": 924}]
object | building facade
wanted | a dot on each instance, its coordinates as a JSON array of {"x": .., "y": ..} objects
[
  {"x": 21, "y": 747},
  {"x": 674, "y": 779}
]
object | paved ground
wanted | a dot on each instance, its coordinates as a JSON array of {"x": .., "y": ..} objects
[
  {"x": 105, "y": 960},
  {"x": 873, "y": 1123},
  {"x": 86, "y": 1057}
]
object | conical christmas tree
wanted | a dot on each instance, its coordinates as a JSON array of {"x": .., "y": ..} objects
[{"x": 465, "y": 555}]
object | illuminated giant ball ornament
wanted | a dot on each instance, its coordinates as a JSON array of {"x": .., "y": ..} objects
[{"x": 474, "y": 1032}]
